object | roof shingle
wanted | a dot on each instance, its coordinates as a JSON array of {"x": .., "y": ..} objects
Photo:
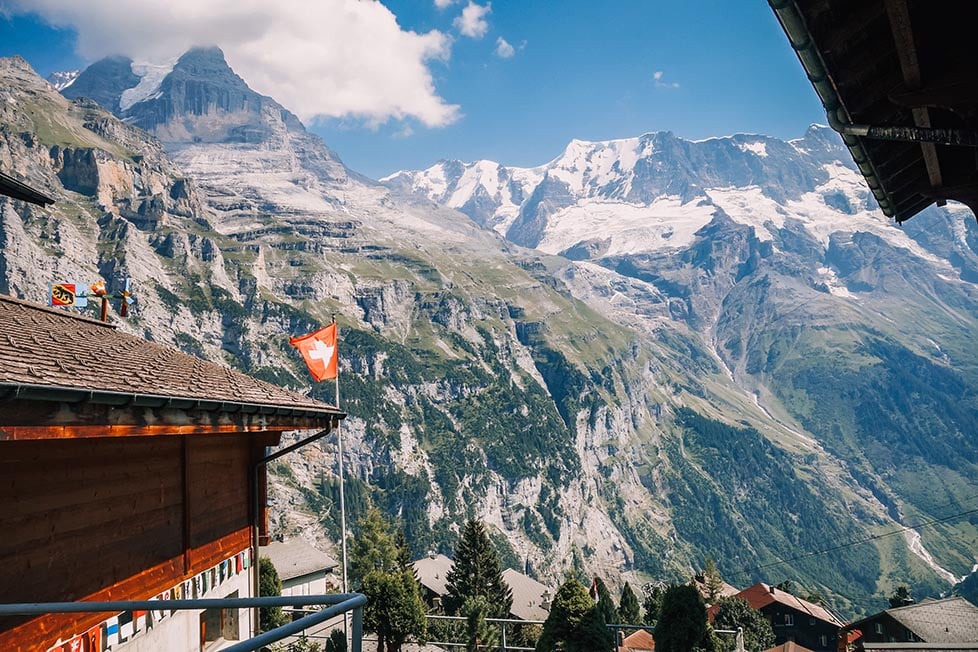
[{"x": 43, "y": 347}]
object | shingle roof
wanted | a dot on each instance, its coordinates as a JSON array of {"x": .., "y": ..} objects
[
  {"x": 43, "y": 349},
  {"x": 790, "y": 646},
  {"x": 761, "y": 595},
  {"x": 954, "y": 620},
  {"x": 432, "y": 572},
  {"x": 528, "y": 596},
  {"x": 296, "y": 558},
  {"x": 639, "y": 641}
]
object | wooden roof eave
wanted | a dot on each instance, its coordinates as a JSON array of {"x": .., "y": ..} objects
[
  {"x": 46, "y": 412},
  {"x": 793, "y": 24},
  {"x": 11, "y": 187}
]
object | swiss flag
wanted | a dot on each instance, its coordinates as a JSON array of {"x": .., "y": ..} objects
[{"x": 318, "y": 349}]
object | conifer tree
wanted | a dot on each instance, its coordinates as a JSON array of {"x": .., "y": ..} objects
[
  {"x": 682, "y": 625},
  {"x": 269, "y": 585},
  {"x": 574, "y": 623},
  {"x": 653, "y": 602},
  {"x": 606, "y": 605},
  {"x": 712, "y": 581},
  {"x": 901, "y": 597},
  {"x": 373, "y": 549},
  {"x": 475, "y": 571},
  {"x": 629, "y": 611}
]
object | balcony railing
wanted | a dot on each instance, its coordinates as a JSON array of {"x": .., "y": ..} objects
[{"x": 334, "y": 604}]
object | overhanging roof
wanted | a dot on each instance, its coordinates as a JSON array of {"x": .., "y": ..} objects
[
  {"x": 907, "y": 70},
  {"x": 13, "y": 188},
  {"x": 50, "y": 355}
]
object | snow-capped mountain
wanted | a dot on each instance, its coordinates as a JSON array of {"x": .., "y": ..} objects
[
  {"x": 63, "y": 79},
  {"x": 652, "y": 192}
]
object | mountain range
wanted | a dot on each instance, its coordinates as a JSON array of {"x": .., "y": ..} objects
[{"x": 642, "y": 353}]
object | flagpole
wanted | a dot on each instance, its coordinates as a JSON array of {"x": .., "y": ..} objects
[{"x": 339, "y": 438}]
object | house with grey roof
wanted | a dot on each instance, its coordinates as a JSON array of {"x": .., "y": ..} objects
[
  {"x": 931, "y": 624},
  {"x": 303, "y": 569},
  {"x": 531, "y": 599}
]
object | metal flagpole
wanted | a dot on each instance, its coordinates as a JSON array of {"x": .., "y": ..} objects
[{"x": 339, "y": 438}]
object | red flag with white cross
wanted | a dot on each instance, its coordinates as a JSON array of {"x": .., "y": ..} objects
[{"x": 319, "y": 351}]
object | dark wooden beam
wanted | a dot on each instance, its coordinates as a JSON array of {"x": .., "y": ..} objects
[
  {"x": 29, "y": 419},
  {"x": 899, "y": 15}
]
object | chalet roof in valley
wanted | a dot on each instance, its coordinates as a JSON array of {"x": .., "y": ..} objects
[
  {"x": 898, "y": 79},
  {"x": 296, "y": 558},
  {"x": 531, "y": 599},
  {"x": 954, "y": 620},
  {"x": 49, "y": 354},
  {"x": 761, "y": 595}
]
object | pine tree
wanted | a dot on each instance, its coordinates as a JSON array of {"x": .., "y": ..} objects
[
  {"x": 712, "y": 581},
  {"x": 574, "y": 623},
  {"x": 475, "y": 571},
  {"x": 373, "y": 549},
  {"x": 653, "y": 602},
  {"x": 479, "y": 635},
  {"x": 682, "y": 624},
  {"x": 606, "y": 605},
  {"x": 901, "y": 597},
  {"x": 629, "y": 611}
]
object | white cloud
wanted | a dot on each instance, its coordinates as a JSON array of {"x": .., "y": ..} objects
[
  {"x": 503, "y": 49},
  {"x": 442, "y": 4},
  {"x": 659, "y": 83},
  {"x": 329, "y": 58},
  {"x": 473, "y": 21}
]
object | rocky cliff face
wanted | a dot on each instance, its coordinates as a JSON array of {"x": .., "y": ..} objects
[{"x": 652, "y": 396}]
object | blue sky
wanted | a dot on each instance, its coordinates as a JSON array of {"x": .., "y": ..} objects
[{"x": 578, "y": 69}]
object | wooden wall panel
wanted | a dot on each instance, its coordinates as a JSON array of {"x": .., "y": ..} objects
[
  {"x": 219, "y": 481},
  {"x": 78, "y": 516}
]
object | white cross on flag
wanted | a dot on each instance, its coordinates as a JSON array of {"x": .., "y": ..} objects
[{"x": 318, "y": 349}]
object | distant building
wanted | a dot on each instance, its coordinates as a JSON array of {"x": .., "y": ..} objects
[
  {"x": 638, "y": 641},
  {"x": 432, "y": 572},
  {"x": 531, "y": 599},
  {"x": 790, "y": 646},
  {"x": 794, "y": 620},
  {"x": 129, "y": 471},
  {"x": 933, "y": 624},
  {"x": 303, "y": 569}
]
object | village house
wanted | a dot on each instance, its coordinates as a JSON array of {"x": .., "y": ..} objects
[
  {"x": 794, "y": 620},
  {"x": 939, "y": 623},
  {"x": 531, "y": 599},
  {"x": 303, "y": 569},
  {"x": 130, "y": 471}
]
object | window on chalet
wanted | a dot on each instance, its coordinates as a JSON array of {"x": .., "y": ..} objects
[
  {"x": 823, "y": 640},
  {"x": 789, "y": 620},
  {"x": 879, "y": 628}
]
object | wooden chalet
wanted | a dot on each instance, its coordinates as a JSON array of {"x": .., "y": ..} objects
[
  {"x": 129, "y": 471},
  {"x": 794, "y": 620},
  {"x": 938, "y": 623},
  {"x": 899, "y": 80}
]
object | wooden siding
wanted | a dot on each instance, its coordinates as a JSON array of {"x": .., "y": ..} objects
[{"x": 116, "y": 518}]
